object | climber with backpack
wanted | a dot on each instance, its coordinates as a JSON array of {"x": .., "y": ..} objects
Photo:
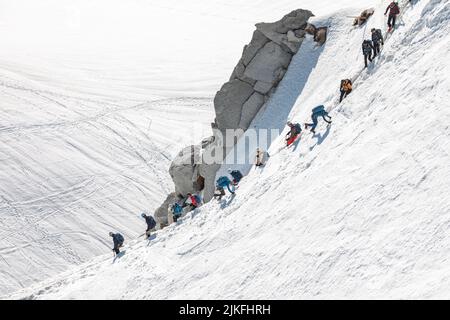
[
  {"x": 377, "y": 38},
  {"x": 295, "y": 130},
  {"x": 193, "y": 200},
  {"x": 367, "y": 49},
  {"x": 117, "y": 241},
  {"x": 176, "y": 210},
  {"x": 237, "y": 176},
  {"x": 221, "y": 183},
  {"x": 151, "y": 224},
  {"x": 318, "y": 111},
  {"x": 394, "y": 10},
  {"x": 346, "y": 88}
]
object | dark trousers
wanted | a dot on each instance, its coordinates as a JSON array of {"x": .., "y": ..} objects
[
  {"x": 344, "y": 94},
  {"x": 376, "y": 48},
  {"x": 391, "y": 20},
  {"x": 367, "y": 56},
  {"x": 315, "y": 121},
  {"x": 116, "y": 249},
  {"x": 220, "y": 194}
]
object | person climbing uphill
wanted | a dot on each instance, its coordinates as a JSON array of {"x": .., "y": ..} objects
[
  {"x": 377, "y": 38},
  {"x": 237, "y": 176},
  {"x": 367, "y": 49},
  {"x": 295, "y": 130},
  {"x": 346, "y": 88},
  {"x": 259, "y": 158},
  {"x": 151, "y": 224},
  {"x": 221, "y": 183},
  {"x": 117, "y": 241},
  {"x": 176, "y": 211},
  {"x": 193, "y": 200},
  {"x": 318, "y": 111},
  {"x": 394, "y": 10}
]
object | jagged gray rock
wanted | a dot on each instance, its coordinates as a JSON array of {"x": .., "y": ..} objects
[
  {"x": 250, "y": 109},
  {"x": 182, "y": 170},
  {"x": 263, "y": 87},
  {"x": 267, "y": 63},
  {"x": 162, "y": 212},
  {"x": 258, "y": 41},
  {"x": 255, "y": 78},
  {"x": 278, "y": 31},
  {"x": 229, "y": 101}
]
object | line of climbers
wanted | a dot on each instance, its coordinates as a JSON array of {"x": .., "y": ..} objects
[
  {"x": 373, "y": 46},
  {"x": 118, "y": 239},
  {"x": 370, "y": 48}
]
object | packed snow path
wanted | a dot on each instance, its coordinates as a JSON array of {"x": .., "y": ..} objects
[{"x": 360, "y": 210}]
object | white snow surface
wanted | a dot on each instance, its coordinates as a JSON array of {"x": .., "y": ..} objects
[
  {"x": 96, "y": 98},
  {"x": 360, "y": 210}
]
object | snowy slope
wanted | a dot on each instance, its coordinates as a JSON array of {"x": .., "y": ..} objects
[
  {"x": 96, "y": 97},
  {"x": 361, "y": 210}
]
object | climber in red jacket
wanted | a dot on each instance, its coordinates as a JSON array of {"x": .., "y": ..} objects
[{"x": 394, "y": 10}]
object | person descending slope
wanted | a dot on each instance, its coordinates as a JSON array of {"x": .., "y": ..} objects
[
  {"x": 151, "y": 223},
  {"x": 295, "y": 130},
  {"x": 117, "y": 240},
  {"x": 346, "y": 88},
  {"x": 367, "y": 49},
  {"x": 318, "y": 111},
  {"x": 394, "y": 10},
  {"x": 377, "y": 38},
  {"x": 237, "y": 176},
  {"x": 221, "y": 183}
]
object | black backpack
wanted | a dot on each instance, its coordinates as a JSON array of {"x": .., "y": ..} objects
[
  {"x": 151, "y": 222},
  {"x": 367, "y": 46},
  {"x": 377, "y": 36},
  {"x": 378, "y": 32}
]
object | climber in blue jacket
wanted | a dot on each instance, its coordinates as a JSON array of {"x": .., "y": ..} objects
[
  {"x": 221, "y": 183},
  {"x": 318, "y": 111}
]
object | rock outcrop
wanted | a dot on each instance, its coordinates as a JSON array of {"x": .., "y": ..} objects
[{"x": 262, "y": 66}]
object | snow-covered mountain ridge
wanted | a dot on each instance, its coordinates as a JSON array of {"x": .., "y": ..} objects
[{"x": 360, "y": 210}]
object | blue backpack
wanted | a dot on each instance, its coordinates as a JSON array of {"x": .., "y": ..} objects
[
  {"x": 298, "y": 128},
  {"x": 197, "y": 197},
  {"x": 177, "y": 208},
  {"x": 318, "y": 109},
  {"x": 223, "y": 181}
]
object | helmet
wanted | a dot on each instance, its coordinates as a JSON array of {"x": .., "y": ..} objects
[
  {"x": 111, "y": 234},
  {"x": 373, "y": 29},
  {"x": 289, "y": 123},
  {"x": 143, "y": 215},
  {"x": 229, "y": 170}
]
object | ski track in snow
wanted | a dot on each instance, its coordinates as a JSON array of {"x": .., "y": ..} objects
[{"x": 359, "y": 210}]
